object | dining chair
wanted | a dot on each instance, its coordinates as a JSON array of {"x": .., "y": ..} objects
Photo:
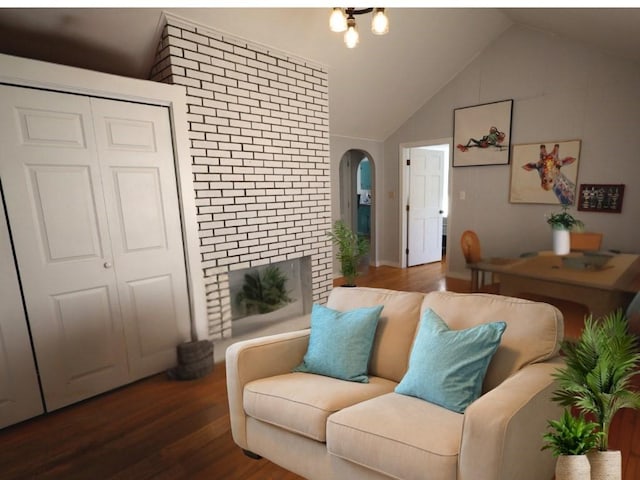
[
  {"x": 585, "y": 241},
  {"x": 470, "y": 244}
]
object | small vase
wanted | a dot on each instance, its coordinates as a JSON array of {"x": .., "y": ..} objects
[
  {"x": 573, "y": 467},
  {"x": 606, "y": 465},
  {"x": 561, "y": 241}
]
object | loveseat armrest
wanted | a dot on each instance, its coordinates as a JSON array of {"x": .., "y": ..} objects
[
  {"x": 259, "y": 358},
  {"x": 503, "y": 429}
]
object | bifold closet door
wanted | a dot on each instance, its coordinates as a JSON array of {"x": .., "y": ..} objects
[
  {"x": 19, "y": 391},
  {"x": 78, "y": 221}
]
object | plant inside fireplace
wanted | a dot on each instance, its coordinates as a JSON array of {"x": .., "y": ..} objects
[{"x": 264, "y": 292}]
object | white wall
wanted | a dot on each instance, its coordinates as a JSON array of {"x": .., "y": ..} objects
[{"x": 562, "y": 90}]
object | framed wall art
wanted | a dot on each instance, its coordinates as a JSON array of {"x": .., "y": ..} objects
[
  {"x": 482, "y": 134},
  {"x": 545, "y": 172},
  {"x": 598, "y": 197}
]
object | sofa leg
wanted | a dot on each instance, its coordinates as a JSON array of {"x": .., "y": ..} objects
[{"x": 251, "y": 455}]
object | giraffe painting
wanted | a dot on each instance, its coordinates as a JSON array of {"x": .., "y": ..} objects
[
  {"x": 551, "y": 178},
  {"x": 557, "y": 169}
]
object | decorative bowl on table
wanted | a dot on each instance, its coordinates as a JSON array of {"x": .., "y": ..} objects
[{"x": 587, "y": 261}]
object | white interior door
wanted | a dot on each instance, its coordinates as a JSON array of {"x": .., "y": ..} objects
[
  {"x": 55, "y": 202},
  {"x": 425, "y": 206},
  {"x": 136, "y": 158},
  {"x": 19, "y": 390}
]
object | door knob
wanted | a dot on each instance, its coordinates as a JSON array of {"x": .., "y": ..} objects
[{"x": 107, "y": 265}]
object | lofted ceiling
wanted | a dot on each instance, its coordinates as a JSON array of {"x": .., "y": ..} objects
[{"x": 373, "y": 88}]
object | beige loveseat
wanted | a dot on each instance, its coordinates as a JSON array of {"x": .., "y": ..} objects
[{"x": 324, "y": 428}]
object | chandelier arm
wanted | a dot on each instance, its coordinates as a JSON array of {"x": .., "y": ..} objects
[{"x": 358, "y": 11}]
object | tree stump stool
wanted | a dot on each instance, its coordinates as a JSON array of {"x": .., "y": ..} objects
[{"x": 195, "y": 360}]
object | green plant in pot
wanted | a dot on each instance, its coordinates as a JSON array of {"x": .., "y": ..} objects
[
  {"x": 561, "y": 224},
  {"x": 351, "y": 250},
  {"x": 598, "y": 381},
  {"x": 570, "y": 439}
]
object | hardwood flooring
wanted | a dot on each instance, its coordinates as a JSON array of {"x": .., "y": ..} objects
[{"x": 163, "y": 429}]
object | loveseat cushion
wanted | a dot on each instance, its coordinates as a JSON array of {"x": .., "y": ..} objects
[
  {"x": 396, "y": 326},
  {"x": 340, "y": 342},
  {"x": 533, "y": 334},
  {"x": 447, "y": 367},
  {"x": 403, "y": 437},
  {"x": 301, "y": 402}
]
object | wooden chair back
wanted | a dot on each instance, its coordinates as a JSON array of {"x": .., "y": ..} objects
[
  {"x": 470, "y": 244},
  {"x": 585, "y": 241}
]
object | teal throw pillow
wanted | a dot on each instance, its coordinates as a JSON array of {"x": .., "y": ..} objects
[
  {"x": 340, "y": 342},
  {"x": 447, "y": 367}
]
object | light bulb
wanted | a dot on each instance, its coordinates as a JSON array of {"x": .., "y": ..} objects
[
  {"x": 379, "y": 22},
  {"x": 337, "y": 20},
  {"x": 351, "y": 36}
]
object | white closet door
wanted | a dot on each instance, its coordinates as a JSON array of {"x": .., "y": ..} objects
[
  {"x": 136, "y": 157},
  {"x": 19, "y": 390},
  {"x": 55, "y": 201}
]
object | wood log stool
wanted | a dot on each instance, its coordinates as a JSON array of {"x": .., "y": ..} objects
[{"x": 195, "y": 360}]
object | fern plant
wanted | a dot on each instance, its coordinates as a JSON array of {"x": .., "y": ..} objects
[
  {"x": 571, "y": 435},
  {"x": 351, "y": 249},
  {"x": 598, "y": 375},
  {"x": 564, "y": 220},
  {"x": 264, "y": 292}
]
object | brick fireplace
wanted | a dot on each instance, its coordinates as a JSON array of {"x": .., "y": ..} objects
[{"x": 259, "y": 133}]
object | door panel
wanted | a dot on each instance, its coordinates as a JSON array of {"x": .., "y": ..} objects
[
  {"x": 64, "y": 203},
  {"x": 57, "y": 214},
  {"x": 136, "y": 157},
  {"x": 153, "y": 314},
  {"x": 84, "y": 320},
  {"x": 19, "y": 389},
  {"x": 130, "y": 135},
  {"x": 49, "y": 128},
  {"x": 139, "y": 201}
]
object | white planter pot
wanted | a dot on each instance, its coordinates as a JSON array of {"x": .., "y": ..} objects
[
  {"x": 573, "y": 467},
  {"x": 606, "y": 465},
  {"x": 561, "y": 241}
]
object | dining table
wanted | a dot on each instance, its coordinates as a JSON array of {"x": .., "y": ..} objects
[{"x": 602, "y": 282}]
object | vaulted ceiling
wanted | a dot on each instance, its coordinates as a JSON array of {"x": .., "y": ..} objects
[{"x": 373, "y": 88}]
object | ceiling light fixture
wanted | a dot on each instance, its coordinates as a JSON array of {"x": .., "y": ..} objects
[
  {"x": 351, "y": 36},
  {"x": 343, "y": 20}
]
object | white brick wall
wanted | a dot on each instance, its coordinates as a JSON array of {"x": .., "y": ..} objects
[{"x": 259, "y": 132}]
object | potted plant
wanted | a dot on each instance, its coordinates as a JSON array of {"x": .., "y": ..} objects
[
  {"x": 264, "y": 291},
  {"x": 569, "y": 440},
  {"x": 598, "y": 380},
  {"x": 351, "y": 249},
  {"x": 562, "y": 223}
]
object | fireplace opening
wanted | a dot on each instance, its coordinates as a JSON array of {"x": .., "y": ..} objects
[{"x": 266, "y": 295}]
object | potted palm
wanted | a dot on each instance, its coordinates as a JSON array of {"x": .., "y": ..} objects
[
  {"x": 569, "y": 440},
  {"x": 351, "y": 249},
  {"x": 598, "y": 380},
  {"x": 561, "y": 224}
]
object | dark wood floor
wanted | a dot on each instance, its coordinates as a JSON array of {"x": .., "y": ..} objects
[{"x": 163, "y": 429}]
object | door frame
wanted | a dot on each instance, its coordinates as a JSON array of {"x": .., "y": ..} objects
[
  {"x": 403, "y": 175},
  {"x": 29, "y": 73}
]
